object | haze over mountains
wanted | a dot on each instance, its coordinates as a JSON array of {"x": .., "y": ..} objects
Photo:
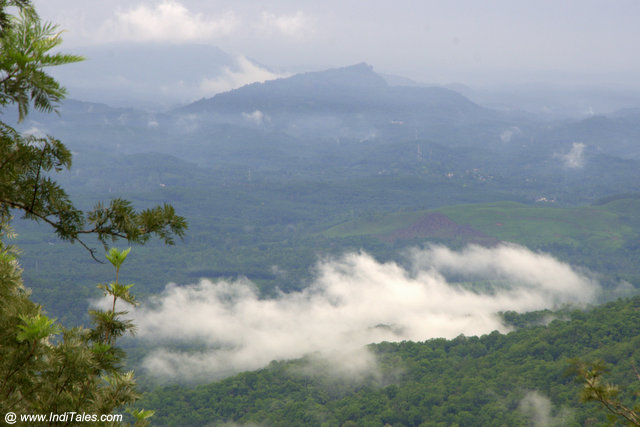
[
  {"x": 159, "y": 76},
  {"x": 156, "y": 76},
  {"x": 352, "y": 120},
  {"x": 308, "y": 151}
]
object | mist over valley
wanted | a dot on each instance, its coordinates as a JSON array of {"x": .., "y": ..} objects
[{"x": 424, "y": 248}]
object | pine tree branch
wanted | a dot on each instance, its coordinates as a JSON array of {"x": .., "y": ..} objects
[{"x": 37, "y": 181}]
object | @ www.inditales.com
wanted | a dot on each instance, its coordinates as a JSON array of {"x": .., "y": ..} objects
[{"x": 76, "y": 417}]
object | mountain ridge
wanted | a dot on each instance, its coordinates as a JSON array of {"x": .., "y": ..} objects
[{"x": 336, "y": 89}]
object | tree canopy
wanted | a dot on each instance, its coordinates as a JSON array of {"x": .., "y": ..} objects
[
  {"x": 45, "y": 368},
  {"x": 28, "y": 161}
]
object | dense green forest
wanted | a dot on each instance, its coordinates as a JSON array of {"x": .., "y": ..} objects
[{"x": 521, "y": 378}]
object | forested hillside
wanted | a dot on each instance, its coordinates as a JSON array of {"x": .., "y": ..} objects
[{"x": 521, "y": 378}]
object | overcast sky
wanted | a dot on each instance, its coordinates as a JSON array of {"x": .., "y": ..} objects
[{"x": 429, "y": 41}]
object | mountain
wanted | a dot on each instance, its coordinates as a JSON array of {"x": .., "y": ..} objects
[
  {"x": 356, "y": 89},
  {"x": 350, "y": 103},
  {"x": 395, "y": 80},
  {"x": 349, "y": 122},
  {"x": 155, "y": 76},
  {"x": 617, "y": 134},
  {"x": 553, "y": 102}
]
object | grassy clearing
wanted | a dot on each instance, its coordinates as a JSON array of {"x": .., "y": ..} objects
[
  {"x": 533, "y": 225},
  {"x": 607, "y": 225},
  {"x": 373, "y": 225}
]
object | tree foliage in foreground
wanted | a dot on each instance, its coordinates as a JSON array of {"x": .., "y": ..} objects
[
  {"x": 596, "y": 389},
  {"x": 27, "y": 161},
  {"x": 45, "y": 368}
]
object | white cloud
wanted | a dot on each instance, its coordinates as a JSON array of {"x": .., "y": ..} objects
[
  {"x": 256, "y": 117},
  {"x": 188, "y": 123},
  {"x": 517, "y": 268},
  {"x": 574, "y": 159},
  {"x": 539, "y": 409},
  {"x": 169, "y": 21},
  {"x": 353, "y": 301},
  {"x": 35, "y": 131},
  {"x": 507, "y": 134},
  {"x": 245, "y": 72},
  {"x": 288, "y": 25}
]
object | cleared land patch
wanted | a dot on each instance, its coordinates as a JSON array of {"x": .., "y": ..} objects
[{"x": 609, "y": 225}]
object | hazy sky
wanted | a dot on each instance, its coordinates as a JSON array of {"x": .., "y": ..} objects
[{"x": 430, "y": 41}]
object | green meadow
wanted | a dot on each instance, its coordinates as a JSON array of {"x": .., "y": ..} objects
[{"x": 609, "y": 225}]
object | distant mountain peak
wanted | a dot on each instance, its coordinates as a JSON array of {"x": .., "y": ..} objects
[
  {"x": 357, "y": 69},
  {"x": 362, "y": 67},
  {"x": 355, "y": 89},
  {"x": 306, "y": 89}
]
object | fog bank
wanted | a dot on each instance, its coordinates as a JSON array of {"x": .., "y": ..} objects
[{"x": 353, "y": 301}]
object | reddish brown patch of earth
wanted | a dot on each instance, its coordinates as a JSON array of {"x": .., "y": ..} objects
[{"x": 439, "y": 226}]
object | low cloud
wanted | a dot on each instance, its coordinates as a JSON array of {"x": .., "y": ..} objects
[
  {"x": 508, "y": 134},
  {"x": 574, "y": 159},
  {"x": 187, "y": 123},
  {"x": 168, "y": 21},
  {"x": 353, "y": 301},
  {"x": 257, "y": 117},
  {"x": 245, "y": 72},
  {"x": 539, "y": 409}
]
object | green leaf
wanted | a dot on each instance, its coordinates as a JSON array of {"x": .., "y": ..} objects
[
  {"x": 141, "y": 414},
  {"x": 117, "y": 257},
  {"x": 37, "y": 327}
]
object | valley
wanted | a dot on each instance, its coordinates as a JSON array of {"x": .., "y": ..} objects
[{"x": 284, "y": 181}]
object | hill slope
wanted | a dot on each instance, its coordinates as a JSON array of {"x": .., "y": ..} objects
[
  {"x": 346, "y": 91},
  {"x": 472, "y": 381}
]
